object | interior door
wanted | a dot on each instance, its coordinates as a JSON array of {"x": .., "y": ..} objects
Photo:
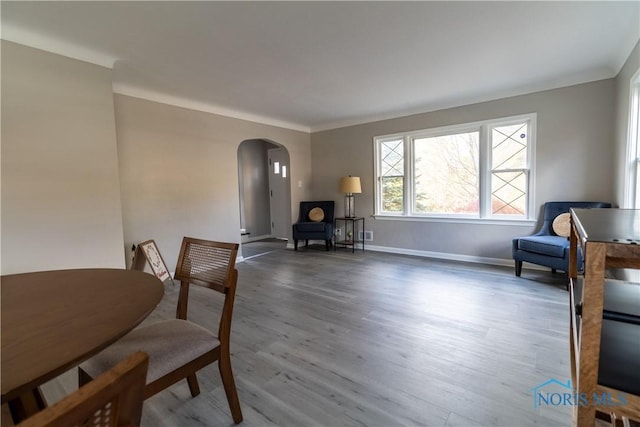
[{"x": 278, "y": 181}]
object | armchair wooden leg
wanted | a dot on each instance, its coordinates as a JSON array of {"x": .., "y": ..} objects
[
  {"x": 224, "y": 365},
  {"x": 194, "y": 388},
  {"x": 518, "y": 268},
  {"x": 295, "y": 244}
]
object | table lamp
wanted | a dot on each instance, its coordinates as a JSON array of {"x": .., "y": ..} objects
[{"x": 350, "y": 185}]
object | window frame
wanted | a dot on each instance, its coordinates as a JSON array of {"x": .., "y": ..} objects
[
  {"x": 485, "y": 170},
  {"x": 632, "y": 158},
  {"x": 378, "y": 168}
]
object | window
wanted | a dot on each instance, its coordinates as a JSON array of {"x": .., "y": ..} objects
[
  {"x": 632, "y": 177},
  {"x": 509, "y": 169},
  {"x": 392, "y": 175},
  {"x": 446, "y": 174},
  {"x": 478, "y": 170}
]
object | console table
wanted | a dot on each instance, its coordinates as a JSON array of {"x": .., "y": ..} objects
[{"x": 605, "y": 314}]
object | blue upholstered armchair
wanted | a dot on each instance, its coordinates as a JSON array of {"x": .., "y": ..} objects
[
  {"x": 315, "y": 222},
  {"x": 545, "y": 247}
]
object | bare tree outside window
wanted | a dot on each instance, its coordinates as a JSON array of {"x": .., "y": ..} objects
[
  {"x": 447, "y": 174},
  {"x": 479, "y": 170}
]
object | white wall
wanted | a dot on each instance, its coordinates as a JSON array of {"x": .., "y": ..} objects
[
  {"x": 179, "y": 172},
  {"x": 574, "y": 155},
  {"x": 60, "y": 186},
  {"x": 70, "y": 191},
  {"x": 81, "y": 184}
]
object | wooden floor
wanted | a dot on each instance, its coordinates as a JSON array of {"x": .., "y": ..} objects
[
  {"x": 262, "y": 247},
  {"x": 373, "y": 339}
]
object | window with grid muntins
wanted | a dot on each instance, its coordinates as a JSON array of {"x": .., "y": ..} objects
[
  {"x": 392, "y": 175},
  {"x": 509, "y": 172},
  {"x": 472, "y": 170}
]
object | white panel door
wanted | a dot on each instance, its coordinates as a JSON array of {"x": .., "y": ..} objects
[{"x": 278, "y": 181}]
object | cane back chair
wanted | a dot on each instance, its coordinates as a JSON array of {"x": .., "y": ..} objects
[
  {"x": 178, "y": 348},
  {"x": 113, "y": 399}
]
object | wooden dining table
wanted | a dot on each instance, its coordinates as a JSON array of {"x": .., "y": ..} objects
[{"x": 53, "y": 320}]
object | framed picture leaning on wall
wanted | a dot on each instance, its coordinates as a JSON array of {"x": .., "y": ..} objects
[{"x": 148, "y": 251}]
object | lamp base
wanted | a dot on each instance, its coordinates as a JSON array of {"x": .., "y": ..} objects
[{"x": 349, "y": 206}]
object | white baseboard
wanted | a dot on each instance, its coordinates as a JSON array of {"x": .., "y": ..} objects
[{"x": 441, "y": 255}]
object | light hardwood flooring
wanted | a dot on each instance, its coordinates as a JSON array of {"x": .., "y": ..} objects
[{"x": 373, "y": 339}]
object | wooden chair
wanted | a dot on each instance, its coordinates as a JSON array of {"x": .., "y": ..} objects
[
  {"x": 112, "y": 399},
  {"x": 179, "y": 348}
]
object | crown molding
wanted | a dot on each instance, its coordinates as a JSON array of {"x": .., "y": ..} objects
[
  {"x": 34, "y": 40},
  {"x": 163, "y": 98}
]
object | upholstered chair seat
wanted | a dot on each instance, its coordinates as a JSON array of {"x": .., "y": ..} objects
[
  {"x": 170, "y": 344},
  {"x": 553, "y": 246}
]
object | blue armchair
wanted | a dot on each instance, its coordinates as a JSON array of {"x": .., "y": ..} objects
[
  {"x": 315, "y": 222},
  {"x": 545, "y": 247}
]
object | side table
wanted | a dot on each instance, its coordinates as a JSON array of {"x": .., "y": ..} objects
[{"x": 352, "y": 226}]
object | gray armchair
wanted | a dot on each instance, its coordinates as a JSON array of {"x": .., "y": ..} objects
[
  {"x": 545, "y": 247},
  {"x": 315, "y": 222}
]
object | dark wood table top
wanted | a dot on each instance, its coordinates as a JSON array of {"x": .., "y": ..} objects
[
  {"x": 53, "y": 320},
  {"x": 609, "y": 225}
]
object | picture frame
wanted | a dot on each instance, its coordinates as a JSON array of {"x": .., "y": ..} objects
[{"x": 148, "y": 252}]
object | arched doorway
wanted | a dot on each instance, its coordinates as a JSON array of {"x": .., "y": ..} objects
[{"x": 265, "y": 190}]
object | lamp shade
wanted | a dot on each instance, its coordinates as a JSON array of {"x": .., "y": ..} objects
[{"x": 350, "y": 184}]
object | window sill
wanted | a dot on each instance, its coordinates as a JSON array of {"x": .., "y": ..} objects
[{"x": 459, "y": 220}]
